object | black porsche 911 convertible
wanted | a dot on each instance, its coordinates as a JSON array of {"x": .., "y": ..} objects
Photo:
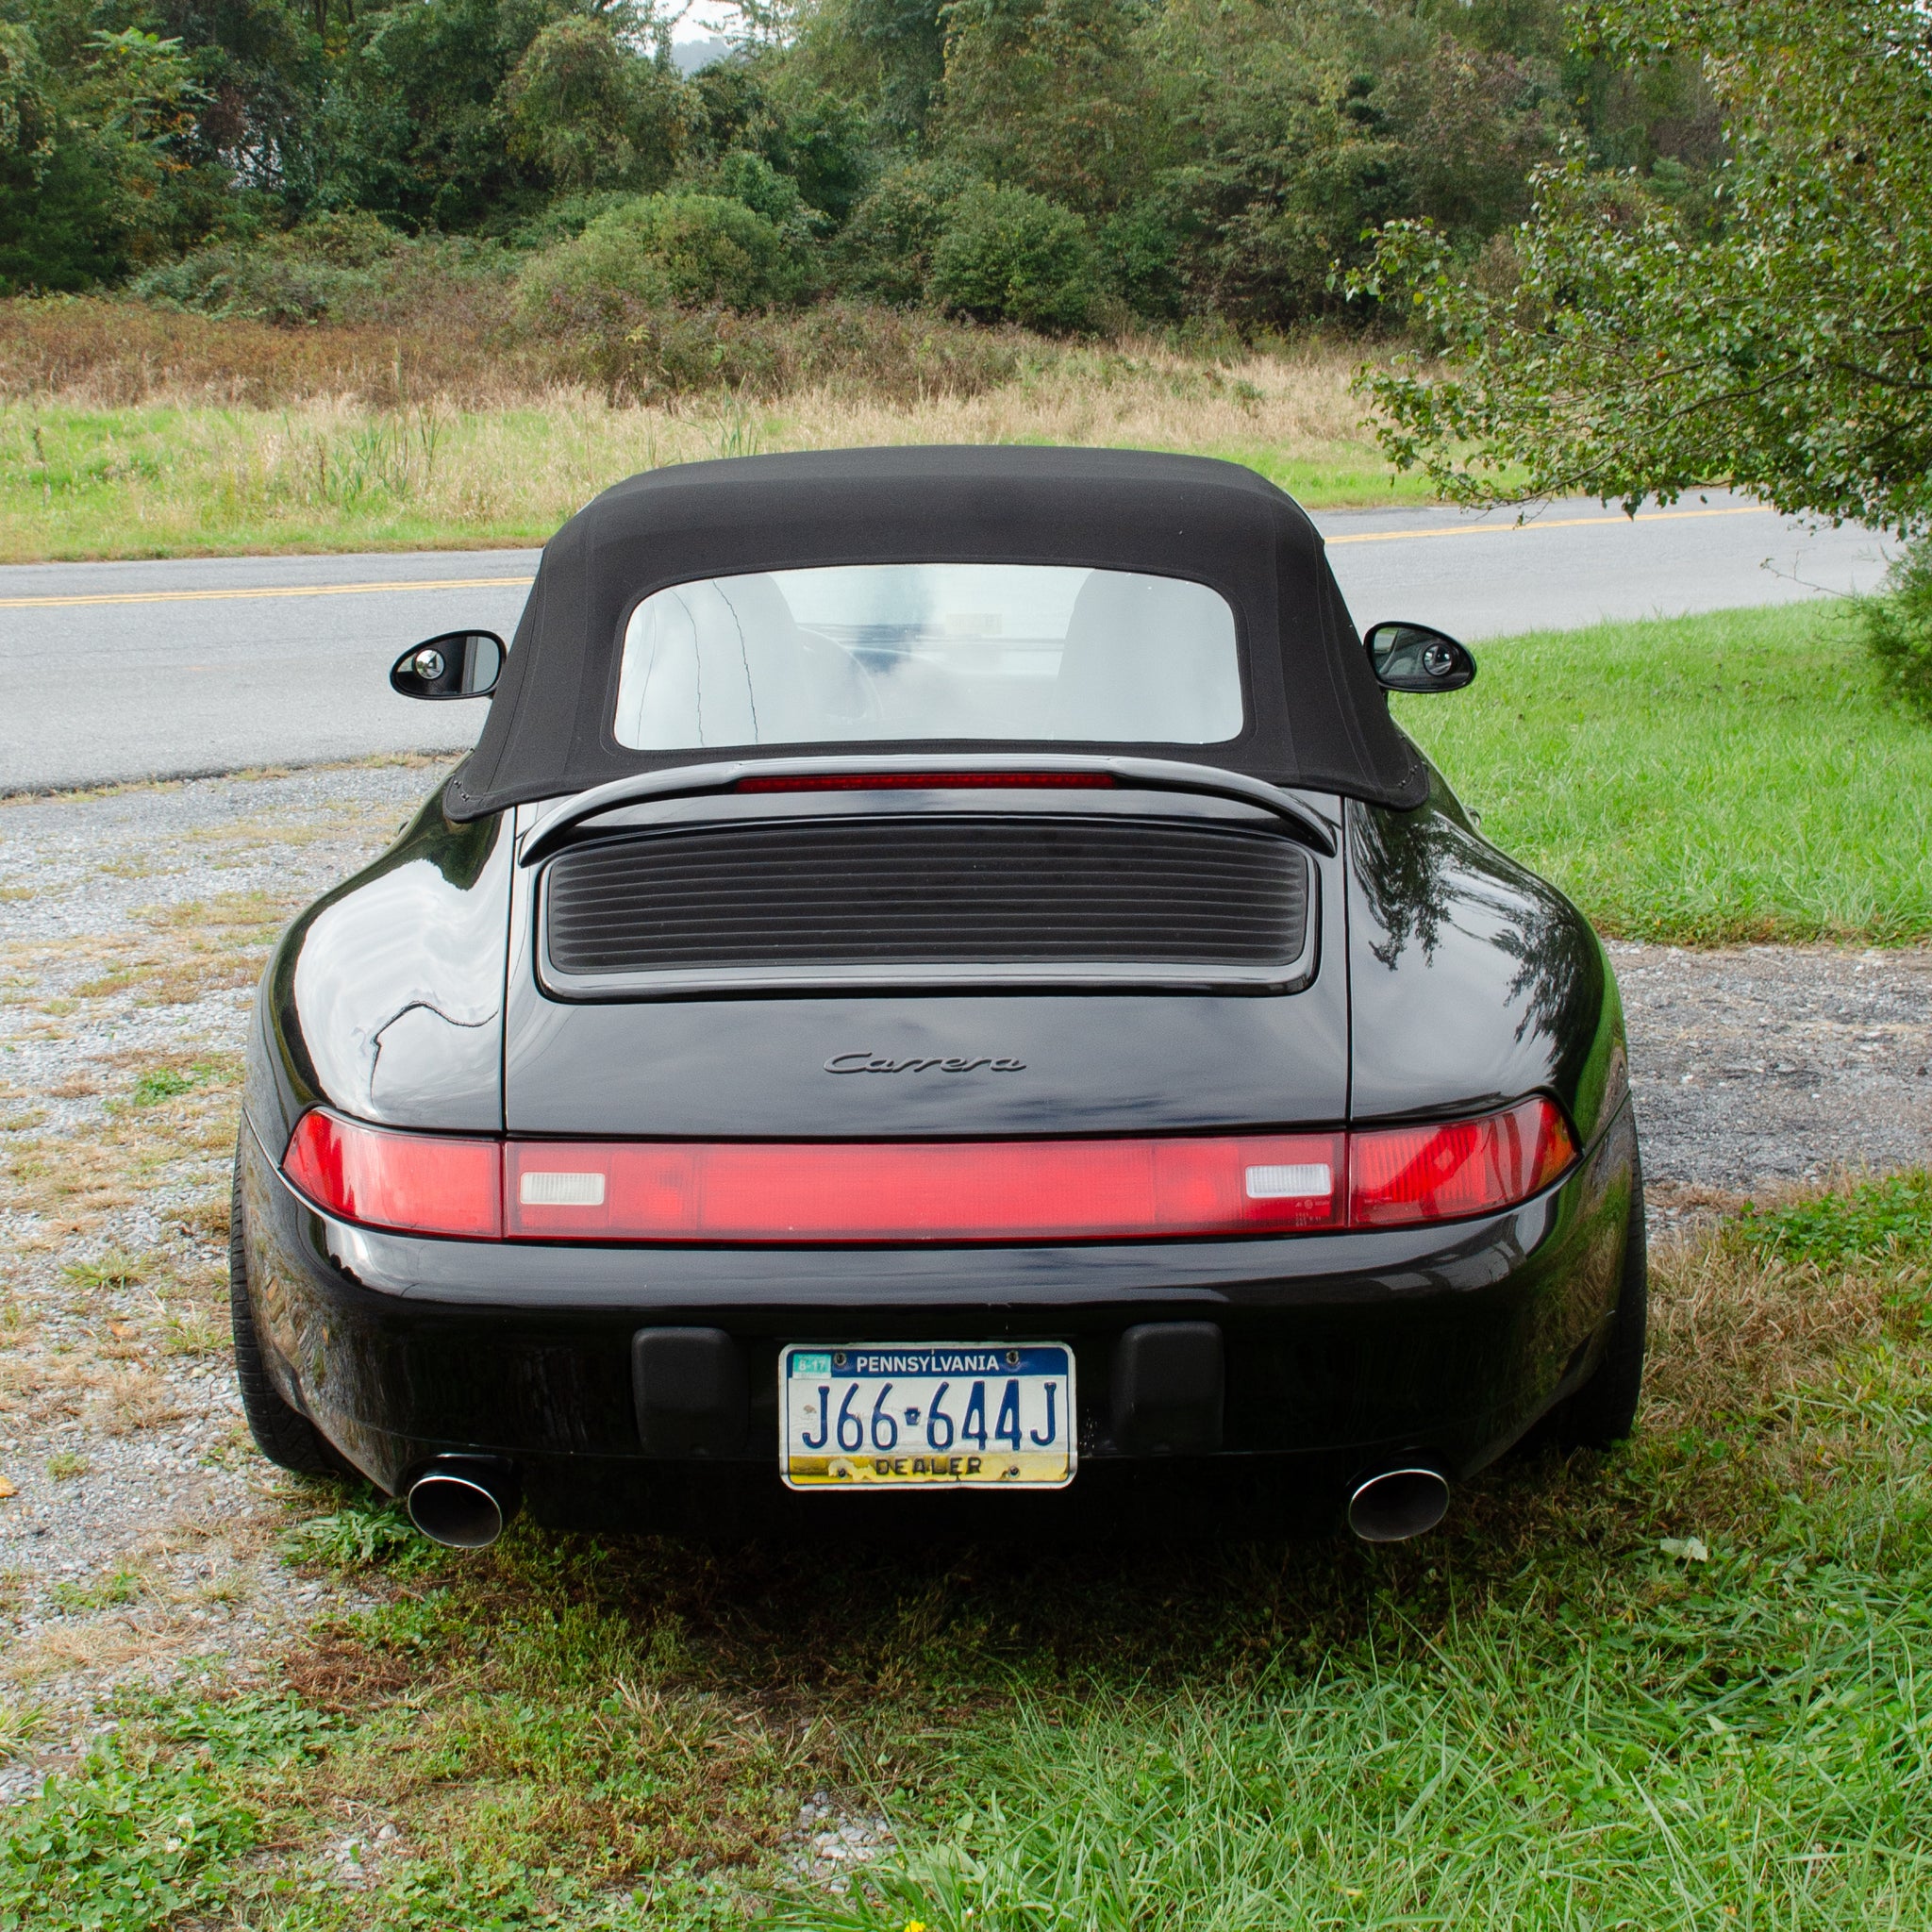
[{"x": 941, "y": 974}]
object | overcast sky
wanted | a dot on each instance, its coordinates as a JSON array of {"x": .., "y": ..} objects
[{"x": 707, "y": 18}]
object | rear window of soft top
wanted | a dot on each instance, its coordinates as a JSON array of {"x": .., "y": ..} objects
[{"x": 912, "y": 652}]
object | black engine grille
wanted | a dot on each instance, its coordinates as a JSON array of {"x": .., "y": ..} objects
[{"x": 922, "y": 892}]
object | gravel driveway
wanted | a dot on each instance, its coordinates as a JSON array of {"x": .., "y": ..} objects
[
  {"x": 1761, "y": 1066},
  {"x": 140, "y": 1532}
]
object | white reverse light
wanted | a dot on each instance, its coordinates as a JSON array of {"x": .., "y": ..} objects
[
  {"x": 586, "y": 1190},
  {"x": 1305, "y": 1180}
]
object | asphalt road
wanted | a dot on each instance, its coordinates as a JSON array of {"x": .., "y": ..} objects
[{"x": 119, "y": 671}]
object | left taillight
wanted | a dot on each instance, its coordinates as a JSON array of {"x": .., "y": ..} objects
[{"x": 417, "y": 1183}]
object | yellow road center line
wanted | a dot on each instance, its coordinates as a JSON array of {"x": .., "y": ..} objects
[
  {"x": 270, "y": 590},
  {"x": 1656, "y": 516}
]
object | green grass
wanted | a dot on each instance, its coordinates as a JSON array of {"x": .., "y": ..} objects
[
  {"x": 1503, "y": 1778},
  {"x": 1337, "y": 476},
  {"x": 1679, "y": 1687},
  {"x": 159, "y": 480},
  {"x": 1700, "y": 780}
]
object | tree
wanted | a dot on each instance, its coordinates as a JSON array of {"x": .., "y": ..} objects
[
  {"x": 410, "y": 125},
  {"x": 256, "y": 66},
  {"x": 1302, "y": 127},
  {"x": 27, "y": 117},
  {"x": 1052, "y": 95},
  {"x": 593, "y": 113},
  {"x": 97, "y": 171},
  {"x": 1786, "y": 347},
  {"x": 55, "y": 228},
  {"x": 890, "y": 54}
]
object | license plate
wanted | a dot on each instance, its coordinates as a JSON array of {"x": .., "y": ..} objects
[{"x": 949, "y": 1415}]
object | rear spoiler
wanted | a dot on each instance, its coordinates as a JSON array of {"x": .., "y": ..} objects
[{"x": 1145, "y": 774}]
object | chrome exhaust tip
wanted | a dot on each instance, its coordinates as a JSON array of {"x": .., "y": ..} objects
[
  {"x": 463, "y": 1502},
  {"x": 1397, "y": 1504}
]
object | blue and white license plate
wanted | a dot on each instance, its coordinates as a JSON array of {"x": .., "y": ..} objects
[{"x": 953, "y": 1415}]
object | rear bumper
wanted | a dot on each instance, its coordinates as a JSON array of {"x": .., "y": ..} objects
[{"x": 1343, "y": 1352}]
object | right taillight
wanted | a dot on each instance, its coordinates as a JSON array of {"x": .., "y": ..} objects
[{"x": 1455, "y": 1169}]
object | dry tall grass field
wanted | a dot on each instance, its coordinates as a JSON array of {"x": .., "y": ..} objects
[{"x": 125, "y": 431}]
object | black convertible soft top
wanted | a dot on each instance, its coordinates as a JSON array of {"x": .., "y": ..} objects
[{"x": 1316, "y": 715}]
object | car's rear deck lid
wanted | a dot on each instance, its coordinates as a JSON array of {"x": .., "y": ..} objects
[{"x": 905, "y": 899}]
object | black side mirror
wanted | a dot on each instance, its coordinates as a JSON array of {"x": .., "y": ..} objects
[
  {"x": 1412, "y": 657},
  {"x": 458, "y": 664}
]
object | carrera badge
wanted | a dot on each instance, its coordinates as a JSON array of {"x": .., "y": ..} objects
[{"x": 866, "y": 1062}]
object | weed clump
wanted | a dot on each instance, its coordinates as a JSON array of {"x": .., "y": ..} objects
[
  {"x": 133, "y": 1837},
  {"x": 159, "y": 1084},
  {"x": 1887, "y": 1220},
  {"x": 367, "y": 1531}
]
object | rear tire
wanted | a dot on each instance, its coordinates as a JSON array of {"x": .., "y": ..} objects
[
  {"x": 1603, "y": 1410},
  {"x": 283, "y": 1435}
]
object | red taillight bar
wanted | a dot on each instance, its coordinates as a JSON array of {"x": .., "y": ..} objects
[
  {"x": 1023, "y": 1190},
  {"x": 930, "y": 782},
  {"x": 847, "y": 1193}
]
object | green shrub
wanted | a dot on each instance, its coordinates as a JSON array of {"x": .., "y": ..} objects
[
  {"x": 663, "y": 249},
  {"x": 595, "y": 280},
  {"x": 1898, "y": 630},
  {"x": 254, "y": 284},
  {"x": 752, "y": 179},
  {"x": 345, "y": 237},
  {"x": 1011, "y": 256},
  {"x": 886, "y": 251},
  {"x": 335, "y": 266}
]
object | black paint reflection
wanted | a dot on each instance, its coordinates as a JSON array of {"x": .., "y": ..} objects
[{"x": 1474, "y": 979}]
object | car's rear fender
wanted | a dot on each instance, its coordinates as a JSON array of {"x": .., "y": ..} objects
[
  {"x": 1472, "y": 981},
  {"x": 385, "y": 998}
]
